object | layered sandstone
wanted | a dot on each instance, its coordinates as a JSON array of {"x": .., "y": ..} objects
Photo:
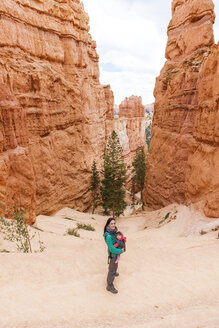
[
  {"x": 17, "y": 183},
  {"x": 130, "y": 126},
  {"x": 184, "y": 149},
  {"x": 49, "y": 62},
  {"x": 132, "y": 107},
  {"x": 202, "y": 176}
]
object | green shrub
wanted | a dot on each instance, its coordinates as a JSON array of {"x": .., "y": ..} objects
[
  {"x": 36, "y": 228},
  {"x": 73, "y": 232},
  {"x": 4, "y": 251},
  {"x": 70, "y": 219},
  {"x": 16, "y": 230},
  {"x": 166, "y": 216},
  {"x": 85, "y": 227}
]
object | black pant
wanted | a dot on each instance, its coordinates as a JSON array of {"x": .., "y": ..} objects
[{"x": 112, "y": 271}]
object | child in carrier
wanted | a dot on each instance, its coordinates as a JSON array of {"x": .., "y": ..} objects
[{"x": 121, "y": 240}]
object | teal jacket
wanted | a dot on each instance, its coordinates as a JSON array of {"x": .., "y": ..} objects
[{"x": 112, "y": 251}]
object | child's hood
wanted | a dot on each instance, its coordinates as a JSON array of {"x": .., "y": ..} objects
[{"x": 123, "y": 237}]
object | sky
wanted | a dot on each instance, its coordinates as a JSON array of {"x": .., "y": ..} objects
[{"x": 131, "y": 37}]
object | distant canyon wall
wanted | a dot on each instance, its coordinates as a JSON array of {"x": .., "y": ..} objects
[
  {"x": 130, "y": 127},
  {"x": 184, "y": 149},
  {"x": 53, "y": 109}
]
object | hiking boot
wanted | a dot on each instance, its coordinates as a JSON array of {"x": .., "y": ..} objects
[
  {"x": 117, "y": 274},
  {"x": 112, "y": 290}
]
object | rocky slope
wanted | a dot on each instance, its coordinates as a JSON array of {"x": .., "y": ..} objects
[
  {"x": 172, "y": 278},
  {"x": 184, "y": 150},
  {"x": 49, "y": 64}
]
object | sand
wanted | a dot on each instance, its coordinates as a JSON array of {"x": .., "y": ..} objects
[{"x": 169, "y": 276}]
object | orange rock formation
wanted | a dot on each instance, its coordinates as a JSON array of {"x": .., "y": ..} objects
[
  {"x": 50, "y": 136},
  {"x": 130, "y": 127},
  {"x": 132, "y": 107},
  {"x": 17, "y": 183},
  {"x": 184, "y": 149}
]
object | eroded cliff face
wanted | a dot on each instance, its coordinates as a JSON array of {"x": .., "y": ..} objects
[
  {"x": 49, "y": 62},
  {"x": 202, "y": 175},
  {"x": 130, "y": 127},
  {"x": 17, "y": 182},
  {"x": 184, "y": 149}
]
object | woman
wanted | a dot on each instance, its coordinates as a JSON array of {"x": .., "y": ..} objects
[{"x": 110, "y": 238}]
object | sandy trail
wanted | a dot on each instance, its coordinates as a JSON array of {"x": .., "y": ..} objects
[{"x": 169, "y": 276}]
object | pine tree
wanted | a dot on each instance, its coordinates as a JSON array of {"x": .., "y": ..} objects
[
  {"x": 95, "y": 186},
  {"x": 133, "y": 191},
  {"x": 148, "y": 135},
  {"x": 114, "y": 178},
  {"x": 139, "y": 170}
]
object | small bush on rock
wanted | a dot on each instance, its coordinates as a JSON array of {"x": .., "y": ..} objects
[
  {"x": 16, "y": 230},
  {"x": 73, "y": 232},
  {"x": 85, "y": 226}
]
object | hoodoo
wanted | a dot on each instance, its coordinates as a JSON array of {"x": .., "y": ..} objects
[
  {"x": 49, "y": 78},
  {"x": 184, "y": 149},
  {"x": 130, "y": 127}
]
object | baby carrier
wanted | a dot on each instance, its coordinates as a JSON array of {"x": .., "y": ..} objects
[
  {"x": 118, "y": 243},
  {"x": 121, "y": 242}
]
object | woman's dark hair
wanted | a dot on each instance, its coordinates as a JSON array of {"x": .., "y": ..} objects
[{"x": 107, "y": 223}]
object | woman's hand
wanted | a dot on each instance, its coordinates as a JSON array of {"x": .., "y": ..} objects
[{"x": 123, "y": 250}]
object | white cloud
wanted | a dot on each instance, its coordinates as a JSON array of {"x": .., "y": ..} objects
[
  {"x": 132, "y": 84},
  {"x": 131, "y": 40}
]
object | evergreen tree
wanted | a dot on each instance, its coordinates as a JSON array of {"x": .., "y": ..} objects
[
  {"x": 139, "y": 170},
  {"x": 133, "y": 190},
  {"x": 95, "y": 186},
  {"x": 148, "y": 135},
  {"x": 114, "y": 178}
]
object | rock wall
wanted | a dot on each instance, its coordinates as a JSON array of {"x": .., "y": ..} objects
[
  {"x": 130, "y": 126},
  {"x": 49, "y": 62},
  {"x": 17, "y": 182},
  {"x": 184, "y": 149},
  {"x": 202, "y": 175}
]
